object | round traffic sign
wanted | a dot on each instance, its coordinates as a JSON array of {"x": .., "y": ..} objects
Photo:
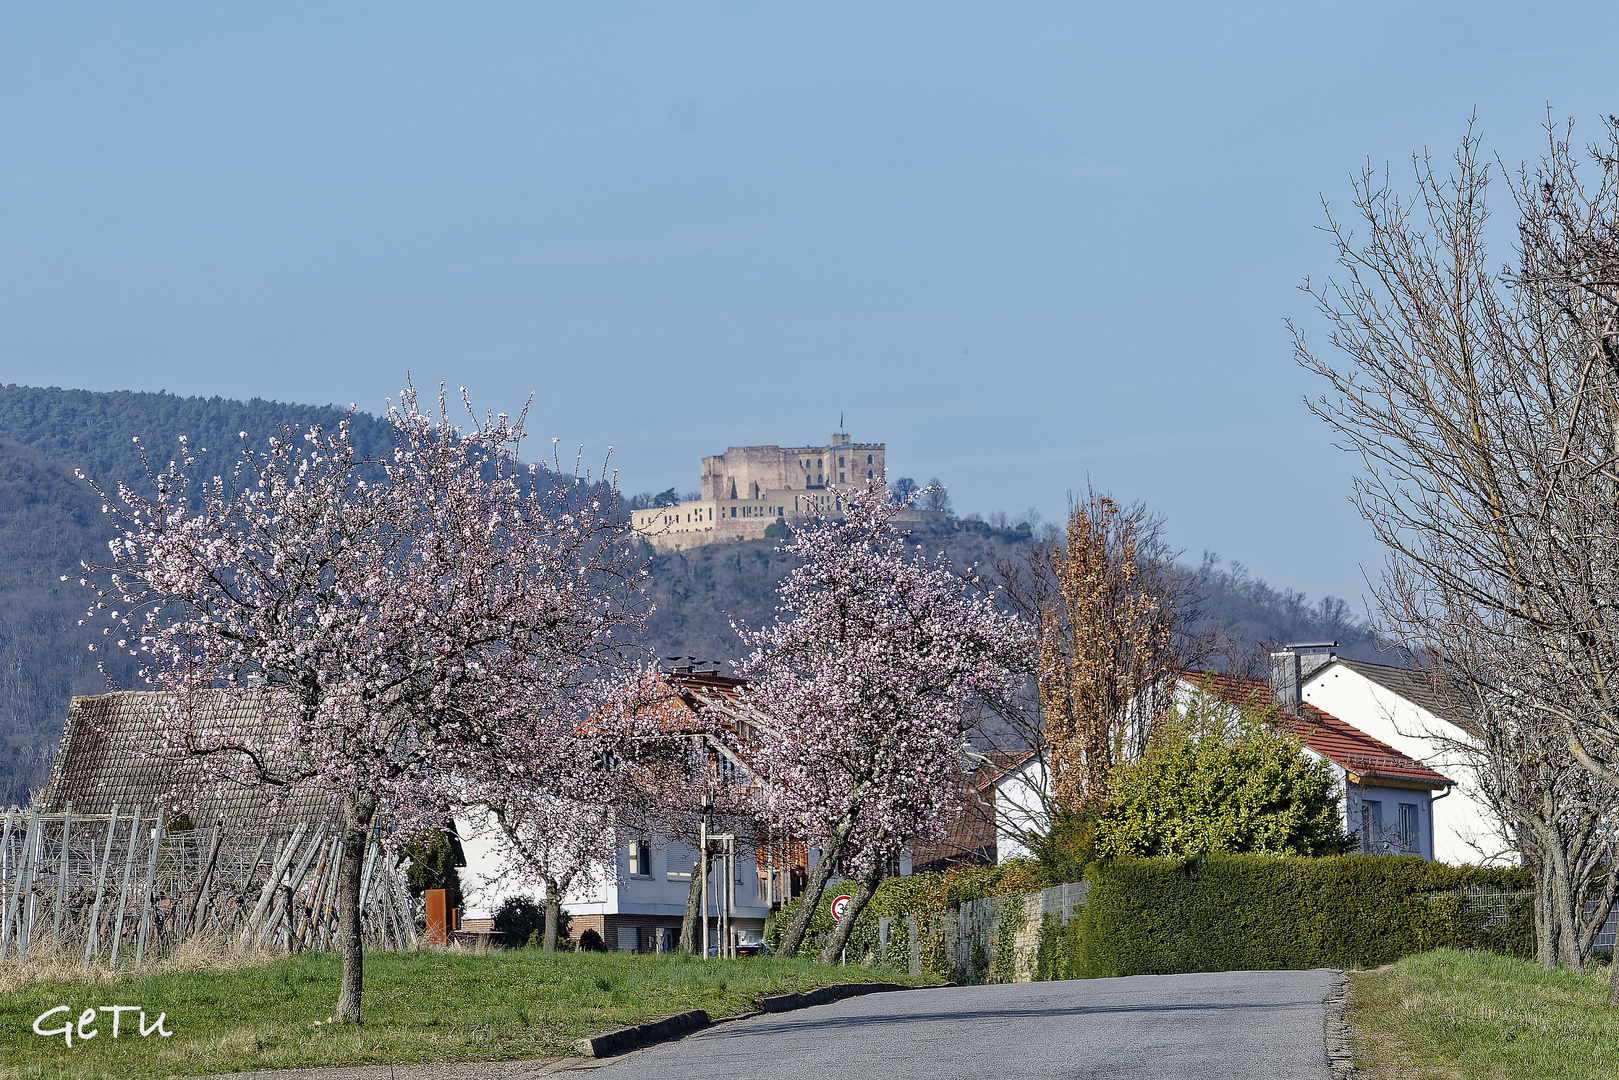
[{"x": 840, "y": 905}]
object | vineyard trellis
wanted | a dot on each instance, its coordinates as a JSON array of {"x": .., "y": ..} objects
[{"x": 116, "y": 886}]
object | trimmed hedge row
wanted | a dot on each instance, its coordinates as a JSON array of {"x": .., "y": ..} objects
[{"x": 1249, "y": 913}]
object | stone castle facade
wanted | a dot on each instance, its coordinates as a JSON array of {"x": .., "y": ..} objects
[{"x": 748, "y": 488}]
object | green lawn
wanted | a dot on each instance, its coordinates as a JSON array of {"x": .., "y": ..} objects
[
  {"x": 1455, "y": 1014},
  {"x": 426, "y": 1006}
]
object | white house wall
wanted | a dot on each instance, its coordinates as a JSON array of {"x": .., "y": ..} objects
[
  {"x": 1465, "y": 830},
  {"x": 663, "y": 891},
  {"x": 1019, "y": 809}
]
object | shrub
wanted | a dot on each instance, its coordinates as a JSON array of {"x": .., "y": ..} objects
[
  {"x": 1068, "y": 846},
  {"x": 591, "y": 941},
  {"x": 1247, "y": 912},
  {"x": 1061, "y": 951},
  {"x": 1210, "y": 782},
  {"x": 519, "y": 919}
]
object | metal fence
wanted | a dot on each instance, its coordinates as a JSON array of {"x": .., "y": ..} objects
[{"x": 115, "y": 886}]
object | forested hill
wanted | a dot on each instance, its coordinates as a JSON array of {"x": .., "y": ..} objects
[
  {"x": 698, "y": 593},
  {"x": 50, "y": 521},
  {"x": 96, "y": 432}
]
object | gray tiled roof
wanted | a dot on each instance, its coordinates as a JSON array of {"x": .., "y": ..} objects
[
  {"x": 1409, "y": 683},
  {"x": 112, "y": 750}
]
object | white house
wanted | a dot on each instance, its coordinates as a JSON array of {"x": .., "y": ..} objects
[
  {"x": 1397, "y": 706},
  {"x": 1388, "y": 800},
  {"x": 639, "y": 903},
  {"x": 1388, "y": 795}
]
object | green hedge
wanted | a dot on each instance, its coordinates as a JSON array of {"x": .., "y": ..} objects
[{"x": 1247, "y": 912}]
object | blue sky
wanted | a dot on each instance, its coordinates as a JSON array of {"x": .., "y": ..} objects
[{"x": 1025, "y": 245}]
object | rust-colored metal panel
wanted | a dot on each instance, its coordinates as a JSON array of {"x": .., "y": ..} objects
[{"x": 438, "y": 925}]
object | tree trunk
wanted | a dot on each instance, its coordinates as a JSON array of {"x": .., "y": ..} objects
[
  {"x": 1545, "y": 918},
  {"x": 798, "y": 926},
  {"x": 553, "y": 907},
  {"x": 694, "y": 911},
  {"x": 844, "y": 926},
  {"x": 1613, "y": 980},
  {"x": 357, "y": 815}
]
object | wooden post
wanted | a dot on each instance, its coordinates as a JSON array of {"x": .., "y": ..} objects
[
  {"x": 302, "y": 931},
  {"x": 329, "y": 921},
  {"x": 146, "y": 906},
  {"x": 296, "y": 882},
  {"x": 61, "y": 879},
  {"x": 321, "y": 895},
  {"x": 101, "y": 884},
  {"x": 16, "y": 918},
  {"x": 398, "y": 915},
  {"x": 268, "y": 895},
  {"x": 407, "y": 917},
  {"x": 204, "y": 879},
  {"x": 702, "y": 833},
  {"x": 387, "y": 912},
  {"x": 365, "y": 878},
  {"x": 123, "y": 891},
  {"x": 5, "y": 875}
]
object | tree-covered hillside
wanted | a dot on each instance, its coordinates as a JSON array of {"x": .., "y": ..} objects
[
  {"x": 698, "y": 593},
  {"x": 48, "y": 522},
  {"x": 96, "y": 432}
]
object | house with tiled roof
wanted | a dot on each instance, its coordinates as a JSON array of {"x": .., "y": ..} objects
[
  {"x": 1388, "y": 797},
  {"x": 1400, "y": 707},
  {"x": 638, "y": 904}
]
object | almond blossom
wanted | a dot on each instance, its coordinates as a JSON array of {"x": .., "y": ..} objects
[{"x": 865, "y": 687}]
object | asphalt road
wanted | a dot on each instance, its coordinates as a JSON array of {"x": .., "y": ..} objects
[{"x": 1247, "y": 1024}]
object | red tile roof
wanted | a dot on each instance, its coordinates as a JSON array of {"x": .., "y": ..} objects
[{"x": 1345, "y": 745}]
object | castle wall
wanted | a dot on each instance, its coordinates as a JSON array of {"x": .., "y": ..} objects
[{"x": 747, "y": 488}]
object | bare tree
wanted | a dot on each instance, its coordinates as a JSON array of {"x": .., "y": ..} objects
[
  {"x": 1482, "y": 402},
  {"x": 1113, "y": 613}
]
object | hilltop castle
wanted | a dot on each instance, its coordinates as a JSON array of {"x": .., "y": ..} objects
[{"x": 747, "y": 488}]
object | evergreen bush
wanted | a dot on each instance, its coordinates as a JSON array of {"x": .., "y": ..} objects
[{"x": 1249, "y": 912}]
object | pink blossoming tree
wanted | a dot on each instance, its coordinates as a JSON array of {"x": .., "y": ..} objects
[
  {"x": 864, "y": 689},
  {"x": 554, "y": 842},
  {"x": 417, "y": 626}
]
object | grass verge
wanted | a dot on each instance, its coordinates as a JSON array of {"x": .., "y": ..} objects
[
  {"x": 1455, "y": 1014},
  {"x": 424, "y": 1006}
]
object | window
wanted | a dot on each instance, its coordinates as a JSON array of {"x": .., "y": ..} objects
[
  {"x": 640, "y": 859},
  {"x": 840, "y": 478},
  {"x": 868, "y": 474},
  {"x": 868, "y": 459},
  {"x": 629, "y": 938},
  {"x": 1408, "y": 828},
  {"x": 817, "y": 463},
  {"x": 840, "y": 461},
  {"x": 1371, "y": 826}
]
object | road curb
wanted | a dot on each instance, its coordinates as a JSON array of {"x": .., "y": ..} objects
[
  {"x": 1340, "y": 1051},
  {"x": 623, "y": 1040}
]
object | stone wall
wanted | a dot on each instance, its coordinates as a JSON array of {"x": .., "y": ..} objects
[{"x": 972, "y": 935}]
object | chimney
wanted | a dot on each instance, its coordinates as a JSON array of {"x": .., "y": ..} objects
[{"x": 1292, "y": 666}]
